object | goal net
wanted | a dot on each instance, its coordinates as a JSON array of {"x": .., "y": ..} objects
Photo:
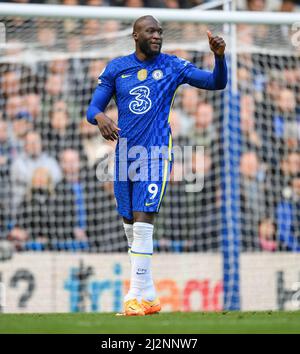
[{"x": 227, "y": 235}]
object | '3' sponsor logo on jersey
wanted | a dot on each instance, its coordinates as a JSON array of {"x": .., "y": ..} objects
[{"x": 141, "y": 102}]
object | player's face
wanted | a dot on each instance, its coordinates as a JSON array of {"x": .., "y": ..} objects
[{"x": 149, "y": 38}]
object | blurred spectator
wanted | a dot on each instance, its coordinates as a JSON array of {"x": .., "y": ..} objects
[
  {"x": 70, "y": 199},
  {"x": 254, "y": 198},
  {"x": 288, "y": 217},
  {"x": 70, "y": 2},
  {"x": 91, "y": 28},
  {"x": 286, "y": 122},
  {"x": 134, "y": 3},
  {"x": 95, "y": 67},
  {"x": 251, "y": 138},
  {"x": 290, "y": 167},
  {"x": 172, "y": 4},
  {"x": 181, "y": 126},
  {"x": 10, "y": 83},
  {"x": 55, "y": 89},
  {"x": 14, "y": 105},
  {"x": 33, "y": 105},
  {"x": 58, "y": 66},
  {"x": 189, "y": 100},
  {"x": 60, "y": 105},
  {"x": 256, "y": 5},
  {"x": 244, "y": 78},
  {"x": 274, "y": 85},
  {"x": 267, "y": 235},
  {"x": 245, "y": 35},
  {"x": 35, "y": 217},
  {"x": 288, "y": 6},
  {"x": 291, "y": 76},
  {"x": 46, "y": 33},
  {"x": 96, "y": 3},
  {"x": 54, "y": 85},
  {"x": 74, "y": 44},
  {"x": 23, "y": 166},
  {"x": 62, "y": 133},
  {"x": 204, "y": 132},
  {"x": 110, "y": 26}
]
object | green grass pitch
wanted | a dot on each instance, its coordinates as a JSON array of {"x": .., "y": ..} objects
[{"x": 201, "y": 322}]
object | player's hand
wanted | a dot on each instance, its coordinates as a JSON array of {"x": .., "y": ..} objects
[
  {"x": 107, "y": 127},
  {"x": 216, "y": 43}
]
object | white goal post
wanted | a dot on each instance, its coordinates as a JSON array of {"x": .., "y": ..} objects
[{"x": 121, "y": 13}]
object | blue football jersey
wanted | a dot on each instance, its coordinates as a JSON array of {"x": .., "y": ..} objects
[{"x": 144, "y": 92}]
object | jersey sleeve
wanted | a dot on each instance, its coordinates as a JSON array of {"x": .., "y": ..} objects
[
  {"x": 102, "y": 94},
  {"x": 215, "y": 80}
]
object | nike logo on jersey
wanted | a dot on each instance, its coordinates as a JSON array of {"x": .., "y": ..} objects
[
  {"x": 124, "y": 76},
  {"x": 148, "y": 204}
]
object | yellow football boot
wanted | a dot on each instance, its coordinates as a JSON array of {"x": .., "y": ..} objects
[
  {"x": 133, "y": 308},
  {"x": 151, "y": 307}
]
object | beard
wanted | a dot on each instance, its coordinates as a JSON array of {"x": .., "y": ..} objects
[{"x": 146, "y": 49}]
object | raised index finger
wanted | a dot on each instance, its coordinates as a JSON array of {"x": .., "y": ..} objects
[{"x": 209, "y": 34}]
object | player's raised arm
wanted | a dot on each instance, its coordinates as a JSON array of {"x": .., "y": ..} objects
[{"x": 217, "y": 79}]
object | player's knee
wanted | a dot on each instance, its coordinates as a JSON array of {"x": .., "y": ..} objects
[
  {"x": 127, "y": 221},
  {"x": 144, "y": 217}
]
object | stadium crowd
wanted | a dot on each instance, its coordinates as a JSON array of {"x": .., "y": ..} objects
[{"x": 51, "y": 196}]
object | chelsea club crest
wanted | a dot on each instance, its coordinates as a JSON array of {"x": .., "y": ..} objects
[{"x": 157, "y": 74}]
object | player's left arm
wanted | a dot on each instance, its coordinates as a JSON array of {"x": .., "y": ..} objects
[{"x": 217, "y": 79}]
